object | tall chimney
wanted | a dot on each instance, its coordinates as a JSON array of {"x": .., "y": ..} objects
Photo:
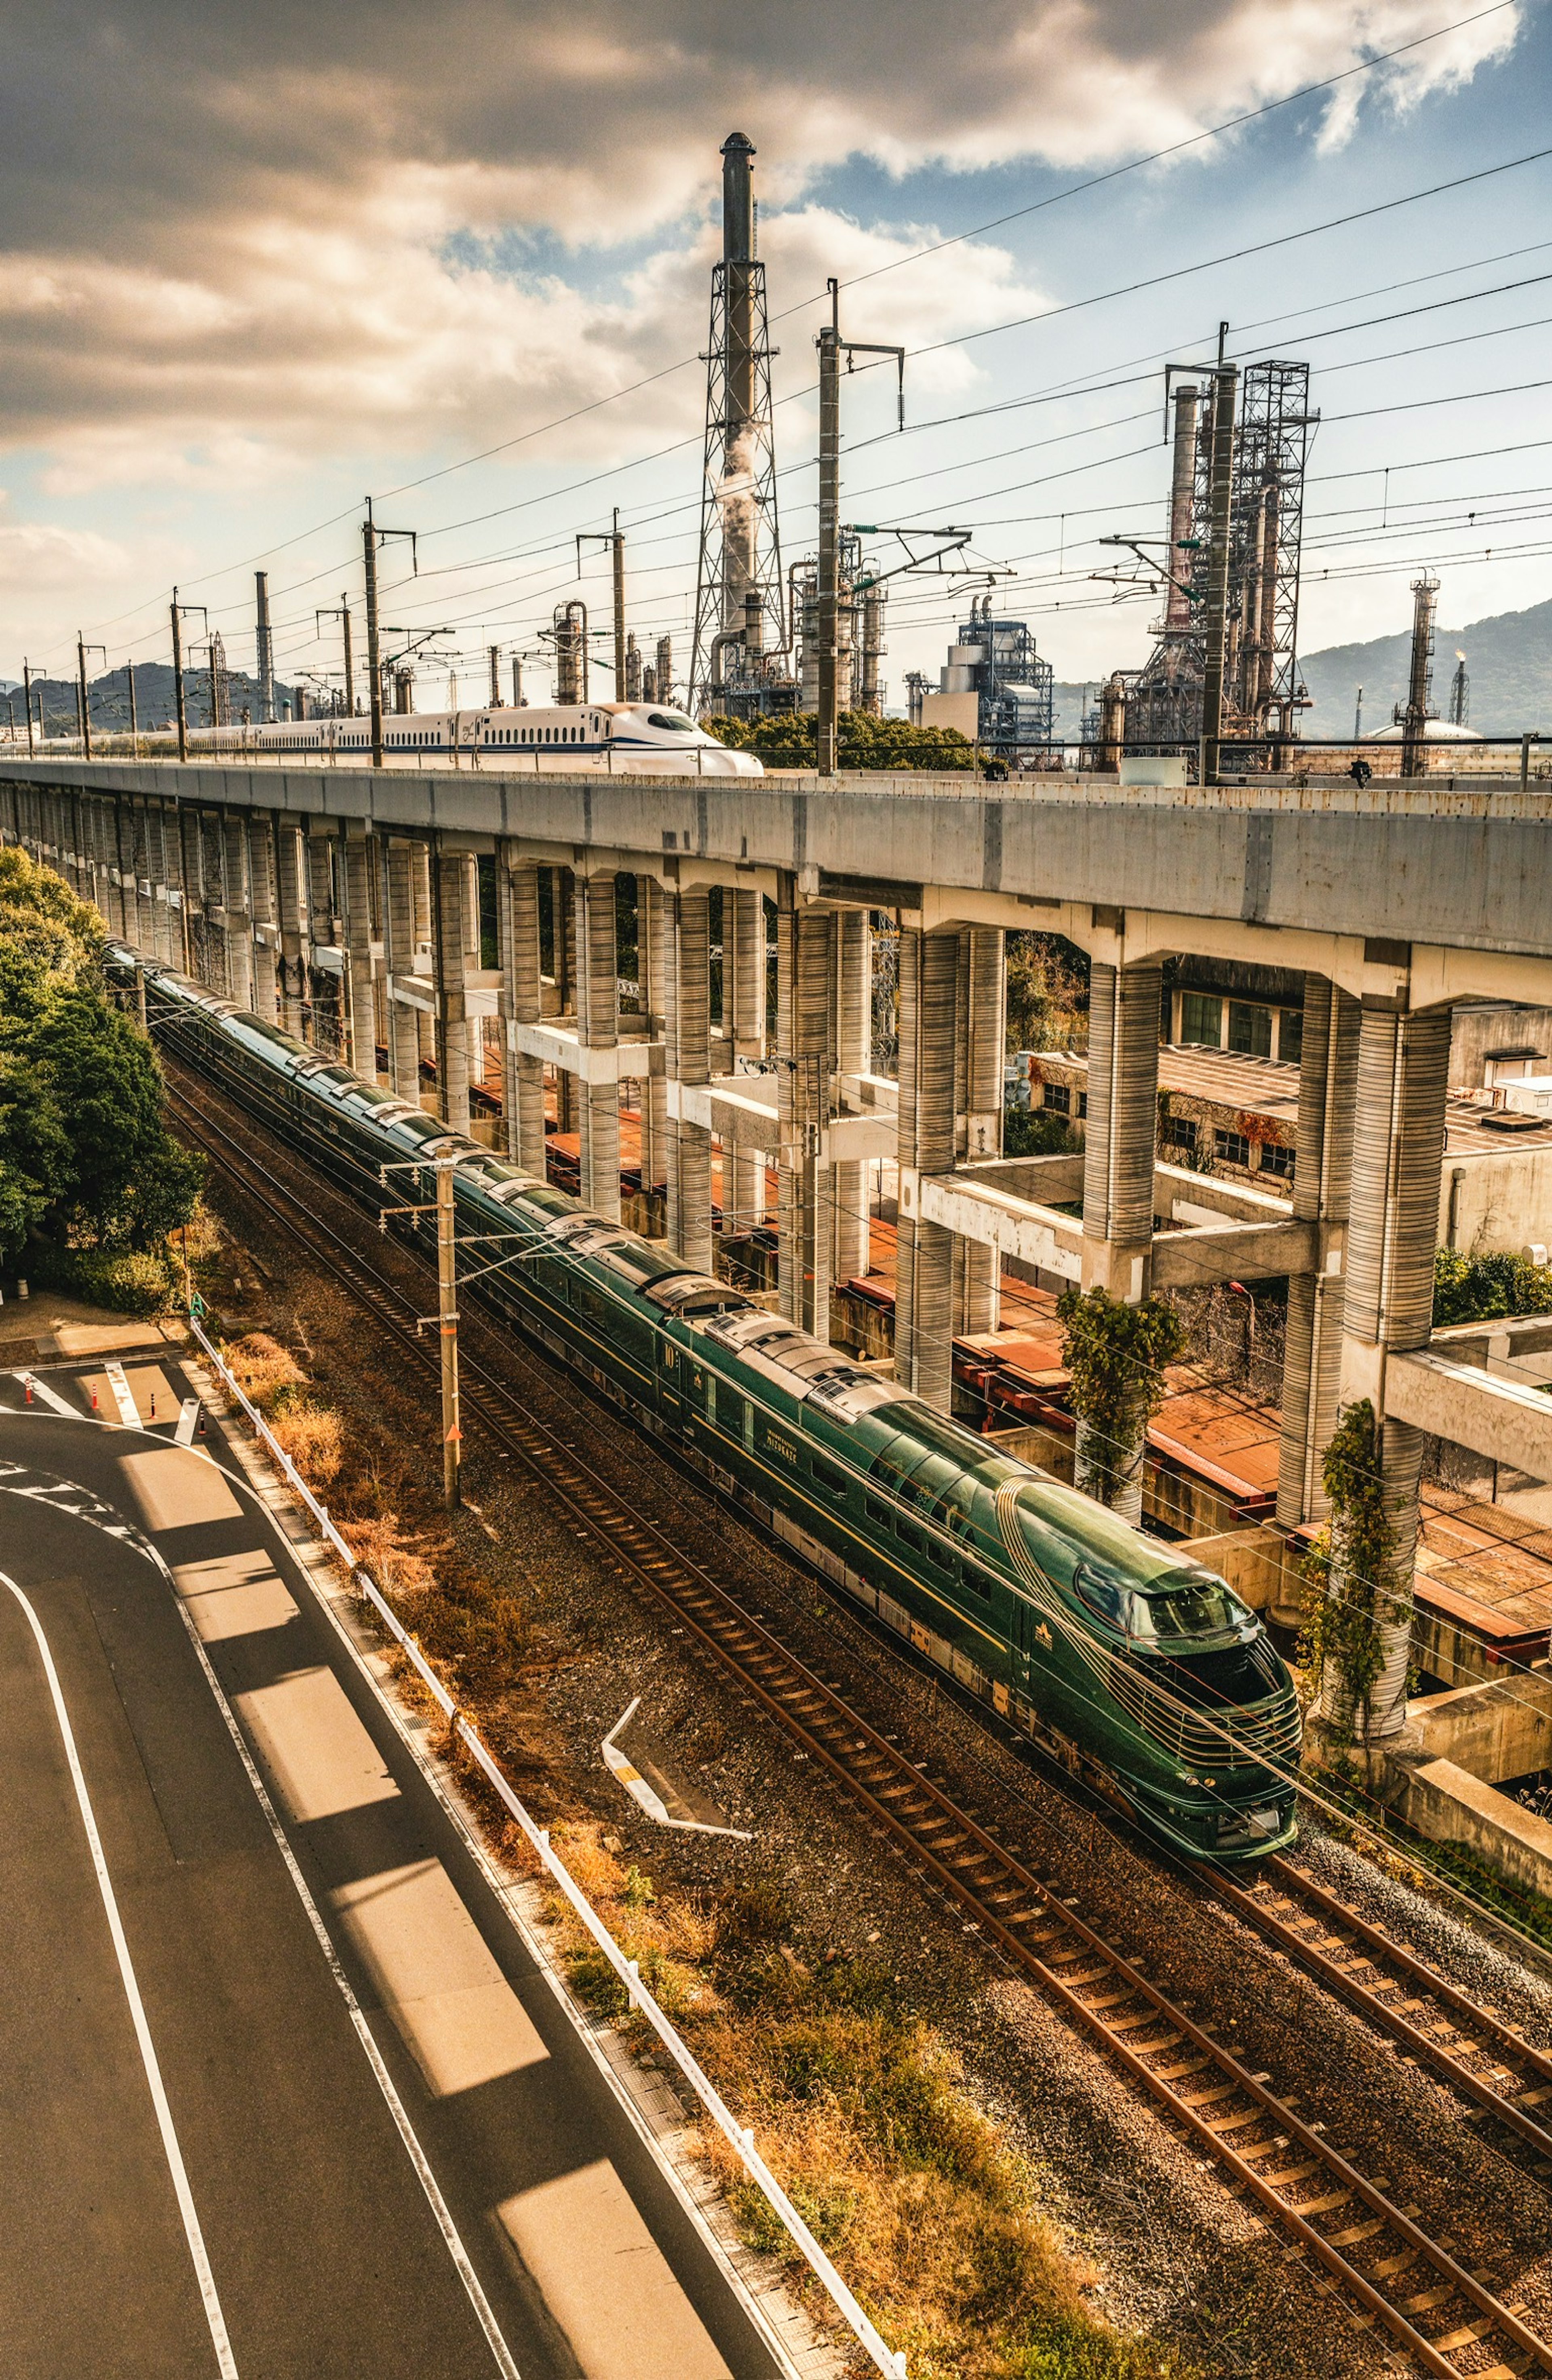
[{"x": 265, "y": 649}]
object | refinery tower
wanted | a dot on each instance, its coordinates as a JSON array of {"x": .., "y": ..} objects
[{"x": 740, "y": 663}]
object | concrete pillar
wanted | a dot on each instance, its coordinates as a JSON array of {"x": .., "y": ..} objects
[
  {"x": 240, "y": 923},
  {"x": 598, "y": 1032},
  {"x": 455, "y": 916},
  {"x": 923, "y": 1319},
  {"x": 850, "y": 1182},
  {"x": 261, "y": 898},
  {"x": 806, "y": 1066},
  {"x": 687, "y": 1035},
  {"x": 290, "y": 907},
  {"x": 978, "y": 1109},
  {"x": 743, "y": 974},
  {"x": 404, "y": 1022},
  {"x": 1120, "y": 1152},
  {"x": 360, "y": 1019},
  {"x": 522, "y": 1075},
  {"x": 1322, "y": 1182},
  {"x": 1397, "y": 1152},
  {"x": 565, "y": 916},
  {"x": 655, "y": 925}
]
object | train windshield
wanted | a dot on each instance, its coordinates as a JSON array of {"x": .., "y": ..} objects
[
  {"x": 1189, "y": 1604},
  {"x": 674, "y": 719}
]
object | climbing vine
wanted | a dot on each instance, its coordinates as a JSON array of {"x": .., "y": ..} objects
[
  {"x": 1351, "y": 1565},
  {"x": 1116, "y": 1355}
]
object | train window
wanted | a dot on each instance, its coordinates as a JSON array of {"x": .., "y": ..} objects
[
  {"x": 828, "y": 1480},
  {"x": 674, "y": 719},
  {"x": 879, "y": 1514},
  {"x": 908, "y": 1535},
  {"x": 1101, "y": 1594},
  {"x": 730, "y": 1410},
  {"x": 976, "y": 1582}
]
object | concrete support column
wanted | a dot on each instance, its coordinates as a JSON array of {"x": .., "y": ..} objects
[
  {"x": 261, "y": 898},
  {"x": 565, "y": 916},
  {"x": 598, "y": 1029},
  {"x": 1118, "y": 1157},
  {"x": 744, "y": 970},
  {"x": 806, "y": 1055},
  {"x": 924, "y": 1317},
  {"x": 145, "y": 907},
  {"x": 850, "y": 1182},
  {"x": 454, "y": 926},
  {"x": 290, "y": 906},
  {"x": 359, "y": 1009},
  {"x": 522, "y": 1075},
  {"x": 978, "y": 1109},
  {"x": 1398, "y": 1151},
  {"x": 1322, "y": 1181},
  {"x": 689, "y": 1053},
  {"x": 404, "y": 1022},
  {"x": 655, "y": 925},
  {"x": 240, "y": 922}
]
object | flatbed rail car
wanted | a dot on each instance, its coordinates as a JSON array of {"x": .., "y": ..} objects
[{"x": 1142, "y": 1672}]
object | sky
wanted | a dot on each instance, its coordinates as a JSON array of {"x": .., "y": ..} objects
[{"x": 253, "y": 268}]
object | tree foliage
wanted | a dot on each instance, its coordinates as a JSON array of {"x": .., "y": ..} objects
[
  {"x": 1048, "y": 992},
  {"x": 1116, "y": 1355},
  {"x": 1480, "y": 1289},
  {"x": 789, "y": 739},
  {"x": 85, "y": 1156},
  {"x": 1351, "y": 1564}
]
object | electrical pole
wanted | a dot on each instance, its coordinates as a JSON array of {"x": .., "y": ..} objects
[
  {"x": 182, "y": 707},
  {"x": 448, "y": 1325},
  {"x": 27, "y": 699},
  {"x": 84, "y": 698},
  {"x": 830, "y": 344},
  {"x": 343, "y": 615},
  {"x": 1225, "y": 384},
  {"x": 613, "y": 537},
  {"x": 372, "y": 538}
]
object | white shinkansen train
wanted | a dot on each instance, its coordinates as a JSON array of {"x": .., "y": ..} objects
[{"x": 619, "y": 738}]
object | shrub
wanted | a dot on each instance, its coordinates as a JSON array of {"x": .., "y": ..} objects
[
  {"x": 1351, "y": 1564},
  {"x": 789, "y": 739},
  {"x": 133, "y": 1283},
  {"x": 1116, "y": 1355},
  {"x": 1480, "y": 1289}
]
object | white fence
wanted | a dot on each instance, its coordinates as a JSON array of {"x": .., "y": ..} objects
[{"x": 883, "y": 2358}]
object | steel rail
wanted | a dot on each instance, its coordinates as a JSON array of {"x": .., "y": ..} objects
[{"x": 1285, "y": 2164}]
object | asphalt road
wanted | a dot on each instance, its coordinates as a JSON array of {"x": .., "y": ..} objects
[{"x": 397, "y": 2156}]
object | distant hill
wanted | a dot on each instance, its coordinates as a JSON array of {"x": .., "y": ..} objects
[
  {"x": 1508, "y": 661},
  {"x": 154, "y": 698}
]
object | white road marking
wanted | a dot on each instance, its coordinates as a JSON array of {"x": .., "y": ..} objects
[
  {"x": 128, "y": 1411},
  {"x": 45, "y": 1395},
  {"x": 187, "y": 1419},
  {"x": 226, "y": 2360}
]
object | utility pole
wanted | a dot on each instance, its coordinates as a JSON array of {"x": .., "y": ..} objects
[
  {"x": 1225, "y": 385},
  {"x": 84, "y": 699},
  {"x": 182, "y": 707},
  {"x": 27, "y": 699},
  {"x": 830, "y": 344},
  {"x": 372, "y": 538},
  {"x": 343, "y": 615},
  {"x": 447, "y": 1307},
  {"x": 613, "y": 537}
]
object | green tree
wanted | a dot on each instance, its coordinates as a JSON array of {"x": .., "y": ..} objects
[
  {"x": 1481, "y": 1289},
  {"x": 1351, "y": 1563},
  {"x": 789, "y": 739},
  {"x": 1048, "y": 992}
]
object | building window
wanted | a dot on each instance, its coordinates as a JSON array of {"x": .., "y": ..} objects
[
  {"x": 1058, "y": 1098},
  {"x": 1290, "y": 1035},
  {"x": 1083, "y": 1105},
  {"x": 1250, "y": 1029},
  {"x": 1232, "y": 1149},
  {"x": 1180, "y": 1131},
  {"x": 1201, "y": 1020},
  {"x": 1276, "y": 1159}
]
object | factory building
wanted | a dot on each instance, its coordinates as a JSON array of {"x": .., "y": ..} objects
[{"x": 995, "y": 688}]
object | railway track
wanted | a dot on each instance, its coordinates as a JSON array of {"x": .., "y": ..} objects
[{"x": 1451, "y": 2320}]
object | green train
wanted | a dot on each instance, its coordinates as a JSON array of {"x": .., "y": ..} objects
[{"x": 1141, "y": 1671}]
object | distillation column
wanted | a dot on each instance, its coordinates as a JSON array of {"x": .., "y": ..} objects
[
  {"x": 1119, "y": 1156},
  {"x": 598, "y": 1042},
  {"x": 1397, "y": 1154},
  {"x": 924, "y": 1261},
  {"x": 1321, "y": 1183}
]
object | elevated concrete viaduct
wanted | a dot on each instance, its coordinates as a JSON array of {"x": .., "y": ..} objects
[{"x": 351, "y": 900}]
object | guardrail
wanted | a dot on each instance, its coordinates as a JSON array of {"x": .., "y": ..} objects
[{"x": 884, "y": 2357}]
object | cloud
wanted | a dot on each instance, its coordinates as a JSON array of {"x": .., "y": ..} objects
[{"x": 237, "y": 239}]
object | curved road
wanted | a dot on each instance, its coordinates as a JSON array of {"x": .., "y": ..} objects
[{"x": 400, "y": 2158}]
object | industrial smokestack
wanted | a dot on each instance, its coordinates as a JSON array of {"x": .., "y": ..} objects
[
  {"x": 265, "y": 649},
  {"x": 665, "y": 668},
  {"x": 1182, "y": 488},
  {"x": 1420, "y": 682}
]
